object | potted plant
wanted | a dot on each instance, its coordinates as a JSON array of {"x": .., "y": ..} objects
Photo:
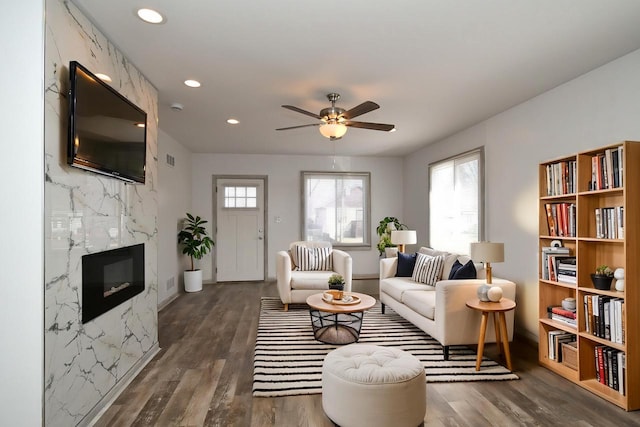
[
  {"x": 602, "y": 278},
  {"x": 195, "y": 242},
  {"x": 336, "y": 282},
  {"x": 384, "y": 229}
]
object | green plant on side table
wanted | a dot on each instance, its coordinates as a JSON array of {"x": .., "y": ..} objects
[
  {"x": 602, "y": 278},
  {"x": 196, "y": 243},
  {"x": 384, "y": 229}
]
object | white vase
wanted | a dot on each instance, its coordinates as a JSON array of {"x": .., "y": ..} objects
[
  {"x": 390, "y": 252},
  {"x": 193, "y": 281}
]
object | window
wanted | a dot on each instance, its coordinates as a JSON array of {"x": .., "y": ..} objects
[
  {"x": 456, "y": 194},
  {"x": 240, "y": 197},
  {"x": 336, "y": 207}
]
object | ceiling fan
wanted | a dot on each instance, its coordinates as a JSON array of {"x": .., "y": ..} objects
[{"x": 335, "y": 120}]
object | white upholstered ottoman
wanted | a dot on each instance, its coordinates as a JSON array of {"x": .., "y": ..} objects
[{"x": 368, "y": 385}]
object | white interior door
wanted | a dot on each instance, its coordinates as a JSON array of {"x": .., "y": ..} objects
[{"x": 240, "y": 230}]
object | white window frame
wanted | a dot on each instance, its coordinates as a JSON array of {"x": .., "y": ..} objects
[
  {"x": 479, "y": 154},
  {"x": 364, "y": 214},
  {"x": 235, "y": 197}
]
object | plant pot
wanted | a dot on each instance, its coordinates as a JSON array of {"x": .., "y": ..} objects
[
  {"x": 601, "y": 282},
  {"x": 390, "y": 252},
  {"x": 193, "y": 280}
]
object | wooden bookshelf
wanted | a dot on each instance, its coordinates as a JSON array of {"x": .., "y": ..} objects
[{"x": 577, "y": 185}]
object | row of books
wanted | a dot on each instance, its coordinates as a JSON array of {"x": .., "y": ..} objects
[
  {"x": 557, "y": 264},
  {"x": 556, "y": 338},
  {"x": 607, "y": 169},
  {"x": 561, "y": 178},
  {"x": 610, "y": 367},
  {"x": 610, "y": 222},
  {"x": 561, "y": 219},
  {"x": 605, "y": 317},
  {"x": 559, "y": 314}
]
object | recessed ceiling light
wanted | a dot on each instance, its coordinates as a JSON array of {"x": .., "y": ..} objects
[
  {"x": 103, "y": 77},
  {"x": 150, "y": 16},
  {"x": 233, "y": 121},
  {"x": 192, "y": 83}
]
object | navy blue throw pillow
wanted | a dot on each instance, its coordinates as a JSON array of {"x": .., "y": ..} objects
[
  {"x": 406, "y": 263},
  {"x": 459, "y": 271}
]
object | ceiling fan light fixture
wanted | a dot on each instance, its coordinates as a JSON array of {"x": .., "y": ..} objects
[{"x": 333, "y": 130}]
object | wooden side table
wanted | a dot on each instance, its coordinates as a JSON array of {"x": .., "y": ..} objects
[{"x": 502, "y": 337}]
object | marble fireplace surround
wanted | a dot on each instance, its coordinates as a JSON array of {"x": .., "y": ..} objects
[{"x": 88, "y": 364}]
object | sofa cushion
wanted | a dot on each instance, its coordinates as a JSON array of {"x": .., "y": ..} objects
[
  {"x": 310, "y": 279},
  {"x": 422, "y": 302},
  {"x": 396, "y": 286},
  {"x": 428, "y": 269},
  {"x": 313, "y": 259},
  {"x": 466, "y": 271},
  {"x": 406, "y": 262}
]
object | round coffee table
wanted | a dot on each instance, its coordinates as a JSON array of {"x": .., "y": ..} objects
[{"x": 337, "y": 323}]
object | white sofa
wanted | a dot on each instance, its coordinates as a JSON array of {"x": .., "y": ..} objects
[
  {"x": 440, "y": 310},
  {"x": 295, "y": 286}
]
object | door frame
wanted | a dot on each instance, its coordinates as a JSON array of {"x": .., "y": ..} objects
[{"x": 214, "y": 221}]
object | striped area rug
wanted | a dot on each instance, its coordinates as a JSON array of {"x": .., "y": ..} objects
[{"x": 288, "y": 360}]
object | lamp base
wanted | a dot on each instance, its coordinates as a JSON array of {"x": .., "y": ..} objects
[{"x": 483, "y": 292}]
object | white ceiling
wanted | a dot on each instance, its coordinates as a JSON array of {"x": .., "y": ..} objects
[{"x": 434, "y": 66}]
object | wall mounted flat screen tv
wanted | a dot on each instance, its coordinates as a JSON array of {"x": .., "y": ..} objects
[{"x": 107, "y": 132}]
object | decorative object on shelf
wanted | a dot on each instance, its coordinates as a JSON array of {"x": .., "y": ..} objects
[
  {"x": 618, "y": 274},
  {"x": 602, "y": 278},
  {"x": 494, "y": 293},
  {"x": 486, "y": 252},
  {"x": 569, "y": 304},
  {"x": 336, "y": 282},
  {"x": 196, "y": 243},
  {"x": 404, "y": 237},
  {"x": 384, "y": 229}
]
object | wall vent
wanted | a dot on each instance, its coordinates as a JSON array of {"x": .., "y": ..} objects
[
  {"x": 171, "y": 161},
  {"x": 171, "y": 283}
]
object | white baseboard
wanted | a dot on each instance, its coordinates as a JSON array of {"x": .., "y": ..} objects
[{"x": 104, "y": 403}]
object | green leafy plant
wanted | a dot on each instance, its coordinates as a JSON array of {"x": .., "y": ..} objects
[
  {"x": 604, "y": 270},
  {"x": 386, "y": 225},
  {"x": 336, "y": 279},
  {"x": 193, "y": 237}
]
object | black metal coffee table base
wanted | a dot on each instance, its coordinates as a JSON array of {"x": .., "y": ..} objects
[{"x": 336, "y": 328}]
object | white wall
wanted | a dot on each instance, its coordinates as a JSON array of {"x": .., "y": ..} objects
[
  {"x": 174, "y": 200},
  {"x": 599, "y": 108},
  {"x": 21, "y": 186},
  {"x": 284, "y": 195}
]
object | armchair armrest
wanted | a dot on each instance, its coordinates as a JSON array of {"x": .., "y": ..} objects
[
  {"x": 343, "y": 265},
  {"x": 283, "y": 275},
  {"x": 388, "y": 267}
]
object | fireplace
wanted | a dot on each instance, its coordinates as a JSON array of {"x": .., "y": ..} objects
[{"x": 110, "y": 278}]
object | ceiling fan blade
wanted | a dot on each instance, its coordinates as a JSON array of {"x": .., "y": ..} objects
[
  {"x": 300, "y": 110},
  {"x": 372, "y": 126},
  {"x": 301, "y": 126},
  {"x": 358, "y": 110}
]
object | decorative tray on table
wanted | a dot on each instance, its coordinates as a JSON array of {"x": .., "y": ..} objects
[{"x": 347, "y": 299}]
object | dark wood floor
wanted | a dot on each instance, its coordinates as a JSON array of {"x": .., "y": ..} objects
[{"x": 203, "y": 377}]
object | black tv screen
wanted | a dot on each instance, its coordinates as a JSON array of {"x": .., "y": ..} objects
[{"x": 107, "y": 132}]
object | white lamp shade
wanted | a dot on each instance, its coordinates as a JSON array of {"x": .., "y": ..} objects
[
  {"x": 333, "y": 130},
  {"x": 404, "y": 237},
  {"x": 487, "y": 252}
]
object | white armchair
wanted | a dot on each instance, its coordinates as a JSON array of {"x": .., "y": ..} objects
[{"x": 295, "y": 285}]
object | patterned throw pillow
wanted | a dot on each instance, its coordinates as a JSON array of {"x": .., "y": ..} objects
[
  {"x": 428, "y": 269},
  {"x": 313, "y": 259}
]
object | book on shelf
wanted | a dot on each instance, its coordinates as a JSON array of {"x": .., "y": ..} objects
[
  {"x": 561, "y": 178},
  {"x": 610, "y": 367},
  {"x": 570, "y": 314},
  {"x": 545, "y": 253},
  {"x": 561, "y": 219},
  {"x": 604, "y": 317},
  {"x": 607, "y": 169},
  {"x": 556, "y": 338},
  {"x": 609, "y": 222}
]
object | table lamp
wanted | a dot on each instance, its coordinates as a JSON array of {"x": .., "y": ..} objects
[
  {"x": 403, "y": 237},
  {"x": 486, "y": 252}
]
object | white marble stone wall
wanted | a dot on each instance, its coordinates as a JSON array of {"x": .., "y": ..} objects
[{"x": 86, "y": 213}]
